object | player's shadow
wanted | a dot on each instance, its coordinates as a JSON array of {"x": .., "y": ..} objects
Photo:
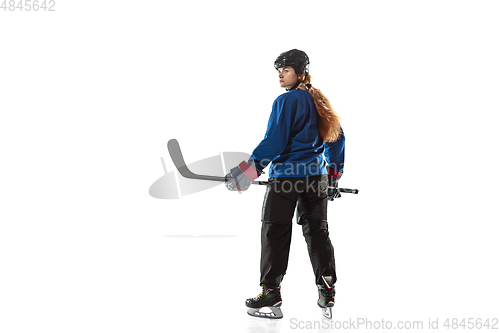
[{"x": 263, "y": 325}]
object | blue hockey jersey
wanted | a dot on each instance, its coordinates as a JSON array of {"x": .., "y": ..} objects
[{"x": 292, "y": 143}]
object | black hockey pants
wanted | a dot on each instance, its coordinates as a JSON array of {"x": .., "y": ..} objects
[{"x": 309, "y": 194}]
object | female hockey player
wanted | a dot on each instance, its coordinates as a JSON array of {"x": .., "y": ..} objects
[{"x": 302, "y": 129}]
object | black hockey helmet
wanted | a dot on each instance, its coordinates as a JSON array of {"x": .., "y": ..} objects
[{"x": 296, "y": 59}]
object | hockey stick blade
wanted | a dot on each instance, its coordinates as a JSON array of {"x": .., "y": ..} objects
[{"x": 175, "y": 153}]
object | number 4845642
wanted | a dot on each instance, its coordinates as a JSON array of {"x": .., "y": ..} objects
[
  {"x": 471, "y": 323},
  {"x": 28, "y": 5}
]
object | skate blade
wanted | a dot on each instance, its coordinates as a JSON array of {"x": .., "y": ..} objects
[
  {"x": 275, "y": 312},
  {"x": 327, "y": 312}
]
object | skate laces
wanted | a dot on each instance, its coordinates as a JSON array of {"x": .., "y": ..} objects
[{"x": 259, "y": 295}]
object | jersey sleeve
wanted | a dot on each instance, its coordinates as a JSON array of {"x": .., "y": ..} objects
[
  {"x": 278, "y": 132},
  {"x": 334, "y": 153}
]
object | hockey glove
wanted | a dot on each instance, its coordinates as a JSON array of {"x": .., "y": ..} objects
[
  {"x": 240, "y": 178},
  {"x": 333, "y": 183}
]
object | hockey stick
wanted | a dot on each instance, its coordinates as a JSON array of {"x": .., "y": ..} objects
[{"x": 175, "y": 153}]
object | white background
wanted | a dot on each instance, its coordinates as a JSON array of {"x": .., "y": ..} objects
[{"x": 90, "y": 95}]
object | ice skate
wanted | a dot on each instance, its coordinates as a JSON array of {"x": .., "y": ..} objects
[
  {"x": 326, "y": 293},
  {"x": 266, "y": 304}
]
